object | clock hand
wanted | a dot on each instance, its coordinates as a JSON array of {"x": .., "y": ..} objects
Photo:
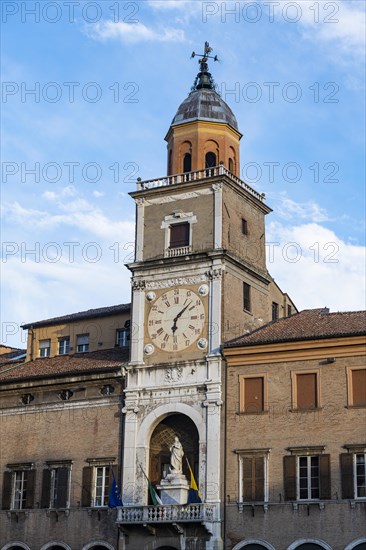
[
  {"x": 174, "y": 327},
  {"x": 181, "y": 312}
]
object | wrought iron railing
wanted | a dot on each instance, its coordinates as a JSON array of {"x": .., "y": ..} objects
[
  {"x": 187, "y": 177},
  {"x": 167, "y": 513}
]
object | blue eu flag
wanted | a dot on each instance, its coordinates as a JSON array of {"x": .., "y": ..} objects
[{"x": 114, "y": 494}]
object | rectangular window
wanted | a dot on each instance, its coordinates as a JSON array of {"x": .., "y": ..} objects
[
  {"x": 356, "y": 382},
  {"x": 44, "y": 348},
  {"x": 253, "y": 475},
  {"x": 18, "y": 487},
  {"x": 123, "y": 337},
  {"x": 64, "y": 346},
  {"x": 20, "y": 490},
  {"x": 353, "y": 472},
  {"x": 244, "y": 227},
  {"x": 359, "y": 461},
  {"x": 179, "y": 235},
  {"x": 101, "y": 485},
  {"x": 56, "y": 486},
  {"x": 246, "y": 297},
  {"x": 289, "y": 310},
  {"x": 306, "y": 391},
  {"x": 308, "y": 477},
  {"x": 253, "y": 391},
  {"x": 82, "y": 343},
  {"x": 274, "y": 311}
]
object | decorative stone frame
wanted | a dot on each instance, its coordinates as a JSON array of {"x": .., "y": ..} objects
[
  {"x": 175, "y": 218},
  {"x": 242, "y": 453}
]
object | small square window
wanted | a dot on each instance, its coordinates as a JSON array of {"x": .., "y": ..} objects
[
  {"x": 82, "y": 343},
  {"x": 244, "y": 226},
  {"x": 44, "y": 348},
  {"x": 123, "y": 337}
]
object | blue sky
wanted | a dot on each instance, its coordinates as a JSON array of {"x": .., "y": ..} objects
[{"x": 107, "y": 78}]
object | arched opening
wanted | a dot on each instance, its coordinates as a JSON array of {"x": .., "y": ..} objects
[
  {"x": 231, "y": 165},
  {"x": 210, "y": 160},
  {"x": 253, "y": 545},
  {"x": 359, "y": 546},
  {"x": 162, "y": 439},
  {"x": 15, "y": 546},
  {"x": 170, "y": 168},
  {"x": 309, "y": 544},
  {"x": 187, "y": 162}
]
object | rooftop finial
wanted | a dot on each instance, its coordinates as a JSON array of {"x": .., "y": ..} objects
[{"x": 204, "y": 78}]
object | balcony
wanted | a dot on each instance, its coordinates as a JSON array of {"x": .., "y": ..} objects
[
  {"x": 188, "y": 513},
  {"x": 178, "y": 251},
  {"x": 188, "y": 177}
]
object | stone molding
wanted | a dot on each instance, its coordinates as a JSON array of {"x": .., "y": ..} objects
[{"x": 167, "y": 283}]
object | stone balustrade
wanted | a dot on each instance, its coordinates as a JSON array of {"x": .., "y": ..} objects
[{"x": 167, "y": 513}]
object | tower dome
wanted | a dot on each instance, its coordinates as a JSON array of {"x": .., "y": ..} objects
[{"x": 204, "y": 131}]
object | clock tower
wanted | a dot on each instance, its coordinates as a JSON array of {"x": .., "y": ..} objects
[{"x": 199, "y": 278}]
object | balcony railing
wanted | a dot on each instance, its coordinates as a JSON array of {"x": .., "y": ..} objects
[
  {"x": 177, "y": 251},
  {"x": 187, "y": 177},
  {"x": 167, "y": 513}
]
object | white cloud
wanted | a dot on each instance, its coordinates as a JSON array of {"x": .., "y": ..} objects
[
  {"x": 133, "y": 32},
  {"x": 98, "y": 194},
  {"x": 316, "y": 267},
  {"x": 340, "y": 25},
  {"x": 306, "y": 211}
]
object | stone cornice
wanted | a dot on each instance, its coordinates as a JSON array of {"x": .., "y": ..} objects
[{"x": 318, "y": 349}]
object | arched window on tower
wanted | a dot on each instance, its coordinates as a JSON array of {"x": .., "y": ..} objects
[
  {"x": 231, "y": 165},
  {"x": 210, "y": 161},
  {"x": 170, "y": 168},
  {"x": 187, "y": 162}
]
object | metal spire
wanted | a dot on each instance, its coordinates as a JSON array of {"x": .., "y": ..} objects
[{"x": 204, "y": 78}]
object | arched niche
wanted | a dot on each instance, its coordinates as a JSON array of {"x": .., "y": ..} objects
[
  {"x": 161, "y": 440},
  {"x": 309, "y": 544},
  {"x": 253, "y": 544}
]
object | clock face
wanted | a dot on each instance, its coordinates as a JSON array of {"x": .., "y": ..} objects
[{"x": 176, "y": 320}]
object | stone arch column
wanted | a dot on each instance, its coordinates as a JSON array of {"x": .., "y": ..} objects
[{"x": 146, "y": 430}]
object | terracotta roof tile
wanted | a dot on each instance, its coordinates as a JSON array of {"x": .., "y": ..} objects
[
  {"x": 63, "y": 365},
  {"x": 13, "y": 356},
  {"x": 89, "y": 314},
  {"x": 308, "y": 324}
]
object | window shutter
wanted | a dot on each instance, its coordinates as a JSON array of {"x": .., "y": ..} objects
[
  {"x": 346, "y": 460},
  {"x": 306, "y": 391},
  {"x": 29, "y": 499},
  {"x": 7, "y": 490},
  {"x": 325, "y": 486},
  {"x": 62, "y": 487},
  {"x": 359, "y": 387},
  {"x": 86, "y": 486},
  {"x": 247, "y": 478},
  {"x": 289, "y": 474},
  {"x": 46, "y": 488},
  {"x": 259, "y": 478},
  {"x": 179, "y": 235},
  {"x": 253, "y": 394}
]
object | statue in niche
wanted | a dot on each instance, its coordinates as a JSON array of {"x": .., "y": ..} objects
[{"x": 176, "y": 456}]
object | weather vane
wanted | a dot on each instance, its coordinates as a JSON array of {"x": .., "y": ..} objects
[{"x": 206, "y": 55}]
